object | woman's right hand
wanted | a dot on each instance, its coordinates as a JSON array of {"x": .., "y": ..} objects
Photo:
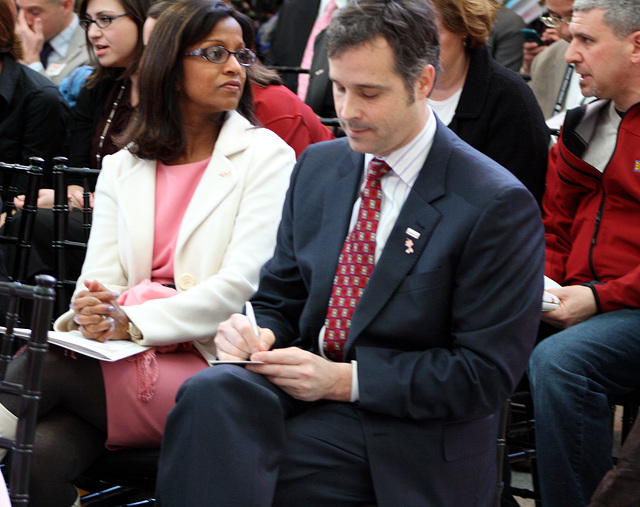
[{"x": 98, "y": 314}]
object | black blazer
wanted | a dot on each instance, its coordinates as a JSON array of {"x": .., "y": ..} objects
[
  {"x": 295, "y": 22},
  {"x": 441, "y": 335},
  {"x": 498, "y": 115},
  {"x": 320, "y": 91},
  {"x": 34, "y": 118}
]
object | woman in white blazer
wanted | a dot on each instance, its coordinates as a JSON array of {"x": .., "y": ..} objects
[{"x": 184, "y": 218}]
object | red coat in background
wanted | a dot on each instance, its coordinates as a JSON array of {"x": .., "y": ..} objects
[{"x": 281, "y": 111}]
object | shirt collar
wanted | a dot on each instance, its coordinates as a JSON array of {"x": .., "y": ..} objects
[
  {"x": 323, "y": 5},
  {"x": 407, "y": 161},
  {"x": 60, "y": 43}
]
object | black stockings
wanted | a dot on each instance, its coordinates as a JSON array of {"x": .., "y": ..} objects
[{"x": 72, "y": 424}]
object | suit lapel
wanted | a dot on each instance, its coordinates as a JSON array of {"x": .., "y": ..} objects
[
  {"x": 77, "y": 45},
  {"x": 339, "y": 196},
  {"x": 409, "y": 236},
  {"x": 219, "y": 178},
  {"x": 138, "y": 210}
]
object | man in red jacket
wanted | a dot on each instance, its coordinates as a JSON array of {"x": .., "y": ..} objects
[{"x": 592, "y": 224}]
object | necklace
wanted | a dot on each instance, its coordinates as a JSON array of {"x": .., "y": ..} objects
[{"x": 107, "y": 125}]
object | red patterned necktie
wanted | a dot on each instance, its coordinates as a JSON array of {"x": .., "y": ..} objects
[{"x": 355, "y": 264}]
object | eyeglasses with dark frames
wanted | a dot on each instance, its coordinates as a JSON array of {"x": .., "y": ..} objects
[
  {"x": 220, "y": 54},
  {"x": 100, "y": 21},
  {"x": 554, "y": 21}
]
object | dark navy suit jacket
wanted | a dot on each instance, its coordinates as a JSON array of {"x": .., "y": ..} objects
[{"x": 442, "y": 334}]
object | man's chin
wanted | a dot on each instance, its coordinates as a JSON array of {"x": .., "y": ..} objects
[
  {"x": 589, "y": 89},
  {"x": 358, "y": 145}
]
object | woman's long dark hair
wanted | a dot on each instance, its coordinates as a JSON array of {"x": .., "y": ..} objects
[
  {"x": 9, "y": 41},
  {"x": 156, "y": 130},
  {"x": 136, "y": 10}
]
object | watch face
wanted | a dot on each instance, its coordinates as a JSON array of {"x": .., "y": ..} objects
[{"x": 134, "y": 332}]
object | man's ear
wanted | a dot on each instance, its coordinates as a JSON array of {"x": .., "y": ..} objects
[
  {"x": 425, "y": 82},
  {"x": 68, "y": 5},
  {"x": 635, "y": 52}
]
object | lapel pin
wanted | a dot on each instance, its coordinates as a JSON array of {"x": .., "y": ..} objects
[
  {"x": 409, "y": 244},
  {"x": 413, "y": 233}
]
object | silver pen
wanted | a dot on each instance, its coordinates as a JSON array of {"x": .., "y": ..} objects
[{"x": 248, "y": 310}]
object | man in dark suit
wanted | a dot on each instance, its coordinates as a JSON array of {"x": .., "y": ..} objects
[
  {"x": 320, "y": 94},
  {"x": 405, "y": 411},
  {"x": 295, "y": 24}
]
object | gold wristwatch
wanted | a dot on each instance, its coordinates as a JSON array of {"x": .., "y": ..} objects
[{"x": 134, "y": 332}]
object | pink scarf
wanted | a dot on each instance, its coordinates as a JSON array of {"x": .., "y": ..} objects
[{"x": 147, "y": 363}]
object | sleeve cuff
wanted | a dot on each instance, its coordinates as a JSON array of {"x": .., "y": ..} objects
[
  {"x": 592, "y": 286},
  {"x": 355, "y": 389}
]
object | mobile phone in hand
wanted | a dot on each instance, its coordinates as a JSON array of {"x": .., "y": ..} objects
[{"x": 530, "y": 35}]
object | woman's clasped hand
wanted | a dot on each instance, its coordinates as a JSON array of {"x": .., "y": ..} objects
[{"x": 98, "y": 314}]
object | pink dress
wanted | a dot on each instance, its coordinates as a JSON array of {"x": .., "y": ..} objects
[{"x": 141, "y": 390}]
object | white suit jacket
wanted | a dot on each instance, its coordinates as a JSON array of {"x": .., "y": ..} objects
[{"x": 227, "y": 234}]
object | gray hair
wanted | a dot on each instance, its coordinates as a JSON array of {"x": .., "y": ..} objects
[
  {"x": 409, "y": 27},
  {"x": 622, "y": 16}
]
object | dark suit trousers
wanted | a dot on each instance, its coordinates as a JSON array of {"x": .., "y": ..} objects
[{"x": 236, "y": 439}]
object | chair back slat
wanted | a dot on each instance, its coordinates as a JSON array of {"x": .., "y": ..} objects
[
  {"x": 16, "y": 179},
  {"x": 62, "y": 174},
  {"x": 28, "y": 388}
]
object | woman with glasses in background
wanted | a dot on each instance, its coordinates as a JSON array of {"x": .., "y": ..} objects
[
  {"x": 107, "y": 100},
  {"x": 102, "y": 111},
  {"x": 184, "y": 218}
]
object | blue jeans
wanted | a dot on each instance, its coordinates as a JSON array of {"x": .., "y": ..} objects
[{"x": 574, "y": 376}]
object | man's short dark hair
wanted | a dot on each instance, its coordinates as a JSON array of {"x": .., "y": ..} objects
[{"x": 409, "y": 26}]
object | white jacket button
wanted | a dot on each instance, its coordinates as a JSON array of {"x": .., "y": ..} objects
[{"x": 186, "y": 281}]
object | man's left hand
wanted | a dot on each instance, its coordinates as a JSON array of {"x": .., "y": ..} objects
[
  {"x": 304, "y": 375},
  {"x": 577, "y": 304}
]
